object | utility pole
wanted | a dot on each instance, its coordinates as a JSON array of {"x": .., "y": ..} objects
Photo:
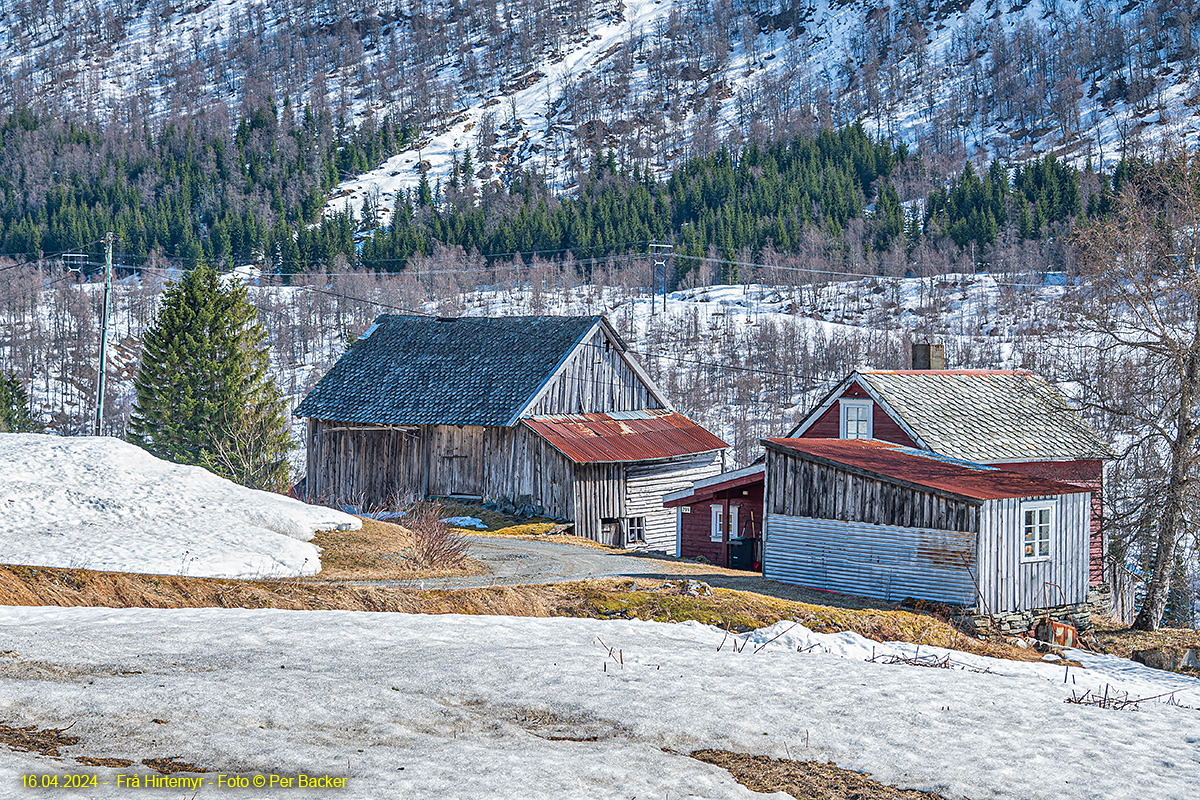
[
  {"x": 108, "y": 255},
  {"x": 660, "y": 252}
]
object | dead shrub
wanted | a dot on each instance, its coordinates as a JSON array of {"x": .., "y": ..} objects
[{"x": 435, "y": 545}]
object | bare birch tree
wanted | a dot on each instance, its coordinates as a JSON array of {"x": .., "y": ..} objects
[{"x": 1140, "y": 308}]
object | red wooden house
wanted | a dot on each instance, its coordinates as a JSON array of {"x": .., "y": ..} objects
[
  {"x": 720, "y": 518},
  {"x": 1011, "y": 419}
]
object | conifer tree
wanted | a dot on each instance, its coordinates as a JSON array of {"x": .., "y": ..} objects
[
  {"x": 15, "y": 416},
  {"x": 204, "y": 395}
]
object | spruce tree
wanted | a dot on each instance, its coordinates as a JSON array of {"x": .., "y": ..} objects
[
  {"x": 204, "y": 395},
  {"x": 15, "y": 416}
]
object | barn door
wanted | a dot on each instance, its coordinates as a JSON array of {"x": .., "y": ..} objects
[{"x": 456, "y": 462}]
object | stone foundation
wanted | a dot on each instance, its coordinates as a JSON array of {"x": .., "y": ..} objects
[
  {"x": 1100, "y": 600},
  {"x": 1021, "y": 623}
]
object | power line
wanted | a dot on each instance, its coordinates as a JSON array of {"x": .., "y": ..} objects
[{"x": 522, "y": 331}]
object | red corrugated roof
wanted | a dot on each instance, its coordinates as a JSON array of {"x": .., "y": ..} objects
[
  {"x": 624, "y": 436},
  {"x": 925, "y": 469}
]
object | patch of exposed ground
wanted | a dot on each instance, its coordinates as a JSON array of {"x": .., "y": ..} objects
[
  {"x": 47, "y": 741},
  {"x": 169, "y": 764},
  {"x": 32, "y": 740},
  {"x": 810, "y": 780},
  {"x": 661, "y": 600},
  {"x": 377, "y": 551},
  {"x": 1121, "y": 640}
]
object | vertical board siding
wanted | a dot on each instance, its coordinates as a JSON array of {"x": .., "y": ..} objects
[
  {"x": 885, "y": 561},
  {"x": 802, "y": 488},
  {"x": 599, "y": 494},
  {"x": 595, "y": 378},
  {"x": 1009, "y": 584},
  {"x": 360, "y": 464}
]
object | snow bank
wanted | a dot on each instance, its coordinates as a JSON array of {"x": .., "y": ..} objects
[
  {"x": 466, "y": 522},
  {"x": 499, "y": 707},
  {"x": 100, "y": 503}
]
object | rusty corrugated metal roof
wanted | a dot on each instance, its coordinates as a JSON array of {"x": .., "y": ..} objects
[
  {"x": 624, "y": 436},
  {"x": 940, "y": 473}
]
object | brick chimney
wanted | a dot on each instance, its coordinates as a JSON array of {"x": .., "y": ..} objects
[{"x": 928, "y": 356}]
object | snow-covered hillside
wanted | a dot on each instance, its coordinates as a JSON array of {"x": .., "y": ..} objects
[
  {"x": 912, "y": 74},
  {"x": 99, "y": 503},
  {"x": 500, "y": 707},
  {"x": 744, "y": 360},
  {"x": 546, "y": 84}
]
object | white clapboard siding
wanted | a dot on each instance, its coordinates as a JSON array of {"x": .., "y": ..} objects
[
  {"x": 1006, "y": 582},
  {"x": 884, "y": 561},
  {"x": 646, "y": 484}
]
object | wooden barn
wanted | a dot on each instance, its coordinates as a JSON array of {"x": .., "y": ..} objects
[
  {"x": 551, "y": 415},
  {"x": 880, "y": 520},
  {"x": 720, "y": 518},
  {"x": 1010, "y": 419}
]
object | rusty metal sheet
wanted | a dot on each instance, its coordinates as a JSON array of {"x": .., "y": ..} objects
[
  {"x": 939, "y": 473},
  {"x": 624, "y": 436}
]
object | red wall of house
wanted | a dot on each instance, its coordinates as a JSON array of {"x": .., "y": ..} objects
[
  {"x": 884, "y": 428},
  {"x": 696, "y": 527},
  {"x": 1086, "y": 475}
]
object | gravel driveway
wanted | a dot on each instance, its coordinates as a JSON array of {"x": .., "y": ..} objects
[{"x": 513, "y": 561}]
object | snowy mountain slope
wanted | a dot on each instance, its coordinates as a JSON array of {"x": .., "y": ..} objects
[
  {"x": 498, "y": 707},
  {"x": 99, "y": 503},
  {"x": 545, "y": 84}
]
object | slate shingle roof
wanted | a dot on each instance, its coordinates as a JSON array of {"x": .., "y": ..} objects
[
  {"x": 409, "y": 370},
  {"x": 987, "y": 415}
]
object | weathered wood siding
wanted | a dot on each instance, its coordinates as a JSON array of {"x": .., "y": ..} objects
[
  {"x": 595, "y": 378},
  {"x": 1086, "y": 474},
  {"x": 373, "y": 465},
  {"x": 645, "y": 485},
  {"x": 521, "y": 467},
  {"x": 884, "y": 561},
  {"x": 599, "y": 494},
  {"x": 1007, "y": 583},
  {"x": 362, "y": 464},
  {"x": 797, "y": 487},
  {"x": 458, "y": 459}
]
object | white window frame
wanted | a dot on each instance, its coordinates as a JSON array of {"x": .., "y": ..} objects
[
  {"x": 1042, "y": 540},
  {"x": 717, "y": 531},
  {"x": 635, "y": 531},
  {"x": 846, "y": 405}
]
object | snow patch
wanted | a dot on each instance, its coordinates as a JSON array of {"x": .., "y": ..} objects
[{"x": 100, "y": 503}]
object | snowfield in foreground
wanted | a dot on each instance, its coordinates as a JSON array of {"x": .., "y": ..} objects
[
  {"x": 501, "y": 707},
  {"x": 100, "y": 503}
]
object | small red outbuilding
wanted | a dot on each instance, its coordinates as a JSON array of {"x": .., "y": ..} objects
[{"x": 720, "y": 518}]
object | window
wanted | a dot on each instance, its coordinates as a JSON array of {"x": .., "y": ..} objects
[
  {"x": 635, "y": 531},
  {"x": 856, "y": 419},
  {"x": 1037, "y": 526},
  {"x": 718, "y": 521}
]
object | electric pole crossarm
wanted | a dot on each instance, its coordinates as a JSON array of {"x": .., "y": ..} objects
[{"x": 108, "y": 256}]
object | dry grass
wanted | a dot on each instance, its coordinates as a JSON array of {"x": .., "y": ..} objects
[
  {"x": 377, "y": 551},
  {"x": 540, "y": 529},
  {"x": 1121, "y": 640},
  {"x": 597, "y": 599},
  {"x": 810, "y": 780},
  {"x": 32, "y": 740}
]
